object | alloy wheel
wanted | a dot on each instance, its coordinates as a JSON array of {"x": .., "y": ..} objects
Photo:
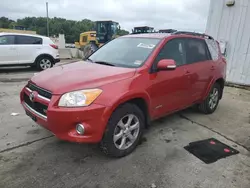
[
  {"x": 213, "y": 98},
  {"x": 126, "y": 132},
  {"x": 45, "y": 64}
]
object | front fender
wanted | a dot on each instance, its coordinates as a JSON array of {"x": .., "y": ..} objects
[
  {"x": 130, "y": 96},
  {"x": 117, "y": 99}
]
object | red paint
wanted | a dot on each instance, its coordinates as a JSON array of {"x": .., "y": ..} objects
[
  {"x": 212, "y": 142},
  {"x": 226, "y": 150},
  {"x": 164, "y": 91}
]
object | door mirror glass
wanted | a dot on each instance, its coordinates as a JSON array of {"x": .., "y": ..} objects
[{"x": 166, "y": 64}]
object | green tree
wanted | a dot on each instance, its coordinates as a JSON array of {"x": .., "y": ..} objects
[
  {"x": 6, "y": 22},
  {"x": 122, "y": 32},
  {"x": 70, "y": 28}
]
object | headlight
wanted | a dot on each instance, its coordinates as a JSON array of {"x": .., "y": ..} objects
[{"x": 79, "y": 98}]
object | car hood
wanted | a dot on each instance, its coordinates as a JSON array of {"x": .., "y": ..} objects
[{"x": 79, "y": 75}]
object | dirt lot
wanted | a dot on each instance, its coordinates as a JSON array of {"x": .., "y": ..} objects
[{"x": 30, "y": 156}]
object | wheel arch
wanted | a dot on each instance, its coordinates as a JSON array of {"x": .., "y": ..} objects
[
  {"x": 141, "y": 100},
  {"x": 45, "y": 55},
  {"x": 220, "y": 81}
]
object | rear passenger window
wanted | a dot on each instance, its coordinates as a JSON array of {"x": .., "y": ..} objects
[
  {"x": 28, "y": 40},
  {"x": 7, "y": 40},
  {"x": 172, "y": 50},
  {"x": 213, "y": 48},
  {"x": 196, "y": 51}
]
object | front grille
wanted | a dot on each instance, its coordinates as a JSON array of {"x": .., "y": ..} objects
[
  {"x": 41, "y": 108},
  {"x": 40, "y": 91}
]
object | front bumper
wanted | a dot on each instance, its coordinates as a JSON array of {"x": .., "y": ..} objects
[{"x": 62, "y": 121}]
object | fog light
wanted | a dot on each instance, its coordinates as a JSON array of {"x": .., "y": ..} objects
[{"x": 80, "y": 129}]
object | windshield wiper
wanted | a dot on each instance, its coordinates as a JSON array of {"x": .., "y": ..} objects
[
  {"x": 104, "y": 63},
  {"x": 88, "y": 59}
]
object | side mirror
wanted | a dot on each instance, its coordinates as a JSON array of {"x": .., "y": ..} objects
[{"x": 166, "y": 64}]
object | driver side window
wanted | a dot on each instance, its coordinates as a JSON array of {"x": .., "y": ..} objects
[{"x": 173, "y": 49}]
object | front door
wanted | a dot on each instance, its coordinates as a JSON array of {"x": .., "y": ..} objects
[
  {"x": 8, "y": 50},
  {"x": 169, "y": 89}
]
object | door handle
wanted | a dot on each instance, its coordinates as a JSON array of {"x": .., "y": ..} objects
[
  {"x": 12, "y": 48},
  {"x": 212, "y": 68}
]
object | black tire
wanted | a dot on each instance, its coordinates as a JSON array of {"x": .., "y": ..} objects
[
  {"x": 205, "y": 106},
  {"x": 39, "y": 63},
  {"x": 107, "y": 144}
]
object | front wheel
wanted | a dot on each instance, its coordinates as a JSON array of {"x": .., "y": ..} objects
[
  {"x": 210, "y": 104},
  {"x": 123, "y": 131}
]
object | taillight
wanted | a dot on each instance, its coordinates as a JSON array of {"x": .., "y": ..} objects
[{"x": 54, "y": 46}]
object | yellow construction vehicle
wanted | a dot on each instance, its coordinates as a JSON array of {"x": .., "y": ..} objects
[
  {"x": 86, "y": 38},
  {"x": 104, "y": 32},
  {"x": 142, "y": 29}
]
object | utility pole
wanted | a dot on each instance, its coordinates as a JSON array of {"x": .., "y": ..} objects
[{"x": 47, "y": 10}]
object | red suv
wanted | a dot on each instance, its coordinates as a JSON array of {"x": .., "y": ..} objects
[{"x": 114, "y": 94}]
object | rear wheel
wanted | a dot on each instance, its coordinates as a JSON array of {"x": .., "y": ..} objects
[
  {"x": 44, "y": 63},
  {"x": 124, "y": 130},
  {"x": 210, "y": 104}
]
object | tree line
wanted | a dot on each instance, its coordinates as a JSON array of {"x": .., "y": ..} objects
[{"x": 70, "y": 28}]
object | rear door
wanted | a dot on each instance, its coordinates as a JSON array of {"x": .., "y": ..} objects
[
  {"x": 28, "y": 48},
  {"x": 199, "y": 67},
  {"x": 8, "y": 50}
]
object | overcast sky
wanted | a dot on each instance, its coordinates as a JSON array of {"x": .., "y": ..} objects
[{"x": 176, "y": 14}]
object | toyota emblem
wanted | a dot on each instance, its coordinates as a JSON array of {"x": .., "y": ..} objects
[{"x": 32, "y": 97}]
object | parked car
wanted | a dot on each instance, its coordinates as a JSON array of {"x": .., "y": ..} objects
[
  {"x": 25, "y": 49},
  {"x": 115, "y": 94}
]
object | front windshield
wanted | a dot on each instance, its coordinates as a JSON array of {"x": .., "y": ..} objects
[
  {"x": 114, "y": 28},
  {"x": 125, "y": 52},
  {"x": 101, "y": 27}
]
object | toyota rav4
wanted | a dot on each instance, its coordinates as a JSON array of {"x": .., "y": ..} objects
[{"x": 112, "y": 96}]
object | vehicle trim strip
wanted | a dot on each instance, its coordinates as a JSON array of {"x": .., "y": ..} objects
[{"x": 34, "y": 111}]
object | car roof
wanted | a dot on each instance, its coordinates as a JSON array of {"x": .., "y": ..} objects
[
  {"x": 163, "y": 35},
  {"x": 149, "y": 35},
  {"x": 23, "y": 34}
]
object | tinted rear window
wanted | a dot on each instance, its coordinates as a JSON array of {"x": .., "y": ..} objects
[
  {"x": 213, "y": 48},
  {"x": 196, "y": 51},
  {"x": 29, "y": 40}
]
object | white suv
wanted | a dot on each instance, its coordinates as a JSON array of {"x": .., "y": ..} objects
[{"x": 24, "y": 49}]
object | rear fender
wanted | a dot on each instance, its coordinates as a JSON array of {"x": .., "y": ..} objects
[
  {"x": 212, "y": 82},
  {"x": 46, "y": 55},
  {"x": 210, "y": 85}
]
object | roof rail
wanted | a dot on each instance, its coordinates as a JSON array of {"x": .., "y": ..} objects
[{"x": 193, "y": 33}]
